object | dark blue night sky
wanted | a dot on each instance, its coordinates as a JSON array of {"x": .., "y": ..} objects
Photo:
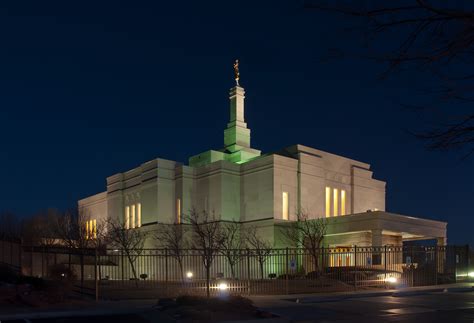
[{"x": 89, "y": 89}]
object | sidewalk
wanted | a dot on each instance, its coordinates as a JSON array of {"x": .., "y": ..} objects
[
  {"x": 287, "y": 300},
  {"x": 91, "y": 308}
]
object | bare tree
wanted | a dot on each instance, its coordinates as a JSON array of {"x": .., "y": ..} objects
[
  {"x": 306, "y": 233},
  {"x": 261, "y": 248},
  {"x": 131, "y": 241},
  {"x": 172, "y": 238},
  {"x": 39, "y": 230},
  {"x": 208, "y": 239},
  {"x": 71, "y": 230},
  {"x": 428, "y": 36},
  {"x": 232, "y": 244}
]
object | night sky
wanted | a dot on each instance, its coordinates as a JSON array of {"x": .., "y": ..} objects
[{"x": 89, "y": 89}]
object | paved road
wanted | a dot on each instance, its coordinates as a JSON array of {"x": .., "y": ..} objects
[
  {"x": 448, "y": 307},
  {"x": 432, "y": 307}
]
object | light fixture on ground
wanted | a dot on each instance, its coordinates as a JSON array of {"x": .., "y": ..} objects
[
  {"x": 471, "y": 274},
  {"x": 223, "y": 286},
  {"x": 391, "y": 280},
  {"x": 189, "y": 275}
]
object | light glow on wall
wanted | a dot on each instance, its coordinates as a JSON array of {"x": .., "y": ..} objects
[
  {"x": 343, "y": 202},
  {"x": 139, "y": 215},
  {"x": 285, "y": 206},
  {"x": 328, "y": 201},
  {"x": 335, "y": 202},
  {"x": 127, "y": 217},
  {"x": 132, "y": 217},
  {"x": 178, "y": 211}
]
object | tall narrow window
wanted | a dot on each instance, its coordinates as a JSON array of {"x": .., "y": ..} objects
[
  {"x": 178, "y": 211},
  {"x": 87, "y": 230},
  {"x": 139, "y": 215},
  {"x": 343, "y": 202},
  {"x": 335, "y": 202},
  {"x": 285, "y": 206},
  {"x": 127, "y": 217},
  {"x": 94, "y": 228},
  {"x": 328, "y": 201},
  {"x": 132, "y": 216}
]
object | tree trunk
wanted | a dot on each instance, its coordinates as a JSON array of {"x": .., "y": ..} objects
[
  {"x": 208, "y": 280},
  {"x": 132, "y": 264},
  {"x": 180, "y": 263},
  {"x": 261, "y": 268},
  {"x": 232, "y": 269}
]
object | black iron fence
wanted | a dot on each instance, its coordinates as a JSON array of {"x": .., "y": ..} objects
[{"x": 116, "y": 273}]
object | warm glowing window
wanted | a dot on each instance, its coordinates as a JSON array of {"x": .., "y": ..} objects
[
  {"x": 343, "y": 202},
  {"x": 91, "y": 229},
  {"x": 335, "y": 202},
  {"x": 328, "y": 201},
  {"x": 132, "y": 216},
  {"x": 178, "y": 211},
  {"x": 285, "y": 206},
  {"x": 139, "y": 215},
  {"x": 127, "y": 217}
]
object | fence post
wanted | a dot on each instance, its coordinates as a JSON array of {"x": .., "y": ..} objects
[
  {"x": 42, "y": 262},
  {"x": 385, "y": 264},
  {"x": 20, "y": 255},
  {"x": 166, "y": 272},
  {"x": 123, "y": 265},
  {"x": 436, "y": 264},
  {"x": 355, "y": 267},
  {"x": 95, "y": 275},
  {"x": 287, "y": 289},
  {"x": 248, "y": 270}
]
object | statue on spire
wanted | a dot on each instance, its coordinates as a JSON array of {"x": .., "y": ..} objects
[{"x": 236, "y": 72}]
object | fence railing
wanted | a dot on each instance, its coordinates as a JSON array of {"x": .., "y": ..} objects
[{"x": 117, "y": 273}]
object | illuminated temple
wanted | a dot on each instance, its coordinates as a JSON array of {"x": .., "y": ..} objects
[{"x": 265, "y": 190}]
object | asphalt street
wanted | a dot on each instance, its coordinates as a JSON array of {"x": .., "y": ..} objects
[
  {"x": 430, "y": 307},
  {"x": 425, "y": 307}
]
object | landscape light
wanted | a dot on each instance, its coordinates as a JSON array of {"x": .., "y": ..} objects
[
  {"x": 223, "y": 286},
  {"x": 189, "y": 275},
  {"x": 391, "y": 280},
  {"x": 471, "y": 274}
]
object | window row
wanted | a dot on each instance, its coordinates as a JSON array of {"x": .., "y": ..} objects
[
  {"x": 335, "y": 202},
  {"x": 133, "y": 216}
]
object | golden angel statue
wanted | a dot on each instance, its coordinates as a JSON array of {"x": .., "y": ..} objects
[{"x": 236, "y": 71}]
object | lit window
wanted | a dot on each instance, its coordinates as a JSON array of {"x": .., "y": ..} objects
[
  {"x": 132, "y": 216},
  {"x": 285, "y": 206},
  {"x": 127, "y": 217},
  {"x": 328, "y": 201},
  {"x": 178, "y": 211},
  {"x": 139, "y": 215},
  {"x": 335, "y": 202},
  {"x": 91, "y": 229},
  {"x": 343, "y": 202}
]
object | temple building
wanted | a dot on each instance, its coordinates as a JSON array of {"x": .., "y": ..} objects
[{"x": 265, "y": 190}]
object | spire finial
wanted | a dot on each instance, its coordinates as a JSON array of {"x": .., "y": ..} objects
[{"x": 236, "y": 72}]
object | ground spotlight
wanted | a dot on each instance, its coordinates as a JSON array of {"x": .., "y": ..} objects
[
  {"x": 471, "y": 274},
  {"x": 391, "y": 280},
  {"x": 223, "y": 286},
  {"x": 189, "y": 275}
]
